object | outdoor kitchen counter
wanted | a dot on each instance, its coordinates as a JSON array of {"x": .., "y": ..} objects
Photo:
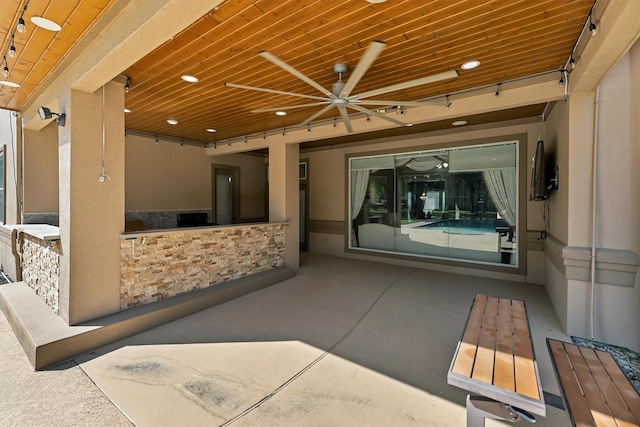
[
  {"x": 133, "y": 235},
  {"x": 160, "y": 264},
  {"x": 46, "y": 232}
]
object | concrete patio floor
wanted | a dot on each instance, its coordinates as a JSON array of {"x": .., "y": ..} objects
[{"x": 345, "y": 342}]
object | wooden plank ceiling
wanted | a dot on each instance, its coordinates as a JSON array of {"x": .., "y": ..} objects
[
  {"x": 38, "y": 51},
  {"x": 512, "y": 39}
]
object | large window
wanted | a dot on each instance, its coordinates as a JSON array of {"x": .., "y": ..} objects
[{"x": 459, "y": 203}]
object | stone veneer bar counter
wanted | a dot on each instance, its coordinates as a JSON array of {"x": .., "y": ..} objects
[
  {"x": 160, "y": 264},
  {"x": 40, "y": 253}
]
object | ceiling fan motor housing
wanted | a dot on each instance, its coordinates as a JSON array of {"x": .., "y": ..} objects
[{"x": 337, "y": 87}]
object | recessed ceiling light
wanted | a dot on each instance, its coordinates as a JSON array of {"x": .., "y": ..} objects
[
  {"x": 8, "y": 83},
  {"x": 470, "y": 65},
  {"x": 211, "y": 130},
  {"x": 190, "y": 79},
  {"x": 172, "y": 122},
  {"x": 281, "y": 113},
  {"x": 126, "y": 110},
  {"x": 45, "y": 23},
  {"x": 459, "y": 123}
]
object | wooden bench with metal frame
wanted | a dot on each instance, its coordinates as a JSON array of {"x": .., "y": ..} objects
[
  {"x": 595, "y": 391},
  {"x": 495, "y": 361}
]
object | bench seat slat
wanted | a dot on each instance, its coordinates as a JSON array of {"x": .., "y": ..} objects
[
  {"x": 614, "y": 401},
  {"x": 463, "y": 364},
  {"x": 525, "y": 371},
  {"x": 483, "y": 366},
  {"x": 624, "y": 387},
  {"x": 503, "y": 375}
]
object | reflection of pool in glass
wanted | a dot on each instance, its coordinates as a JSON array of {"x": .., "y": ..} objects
[
  {"x": 466, "y": 231},
  {"x": 465, "y": 227}
]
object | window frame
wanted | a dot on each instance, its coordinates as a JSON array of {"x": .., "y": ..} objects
[
  {"x": 3, "y": 211},
  {"x": 521, "y": 141}
]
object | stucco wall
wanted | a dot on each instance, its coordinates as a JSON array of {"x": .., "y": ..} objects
[
  {"x": 253, "y": 174},
  {"x": 328, "y": 171},
  {"x": 41, "y": 169},
  {"x": 616, "y": 317},
  {"x": 163, "y": 177},
  {"x": 166, "y": 176},
  {"x": 10, "y": 134},
  {"x": 556, "y": 144}
]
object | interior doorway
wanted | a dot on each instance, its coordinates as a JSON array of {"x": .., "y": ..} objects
[
  {"x": 304, "y": 204},
  {"x": 225, "y": 198}
]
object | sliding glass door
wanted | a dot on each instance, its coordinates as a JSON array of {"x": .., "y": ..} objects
[{"x": 459, "y": 203}]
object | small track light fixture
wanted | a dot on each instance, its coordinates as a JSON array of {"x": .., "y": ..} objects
[
  {"x": 5, "y": 70},
  {"x": 46, "y": 113},
  {"x": 592, "y": 26},
  {"x": 572, "y": 62},
  {"x": 12, "y": 48},
  {"x": 127, "y": 86},
  {"x": 498, "y": 90},
  {"x": 21, "y": 27}
]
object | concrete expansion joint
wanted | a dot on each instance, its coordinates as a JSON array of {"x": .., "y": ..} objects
[{"x": 319, "y": 358}]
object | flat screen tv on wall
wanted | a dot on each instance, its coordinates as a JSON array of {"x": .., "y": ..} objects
[{"x": 538, "y": 185}]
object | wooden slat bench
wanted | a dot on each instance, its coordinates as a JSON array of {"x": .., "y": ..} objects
[
  {"x": 594, "y": 389},
  {"x": 495, "y": 359}
]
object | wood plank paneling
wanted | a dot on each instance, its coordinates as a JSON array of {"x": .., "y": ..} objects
[
  {"x": 311, "y": 36},
  {"x": 40, "y": 52},
  {"x": 511, "y": 39}
]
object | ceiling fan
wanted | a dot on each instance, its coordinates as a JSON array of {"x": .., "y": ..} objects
[{"x": 340, "y": 94}]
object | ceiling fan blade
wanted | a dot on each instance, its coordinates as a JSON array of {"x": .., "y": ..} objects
[
  {"x": 318, "y": 114},
  {"x": 402, "y": 103},
  {"x": 290, "y": 107},
  {"x": 280, "y": 63},
  {"x": 345, "y": 118},
  {"x": 411, "y": 83},
  {"x": 370, "y": 55},
  {"x": 279, "y": 92},
  {"x": 376, "y": 114}
]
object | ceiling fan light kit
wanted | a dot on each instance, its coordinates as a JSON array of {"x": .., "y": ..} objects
[{"x": 340, "y": 95}]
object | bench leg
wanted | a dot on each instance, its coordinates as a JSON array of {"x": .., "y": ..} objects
[{"x": 480, "y": 407}]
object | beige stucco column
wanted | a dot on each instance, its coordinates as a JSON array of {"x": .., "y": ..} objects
[
  {"x": 91, "y": 209},
  {"x": 609, "y": 116},
  {"x": 284, "y": 195}
]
